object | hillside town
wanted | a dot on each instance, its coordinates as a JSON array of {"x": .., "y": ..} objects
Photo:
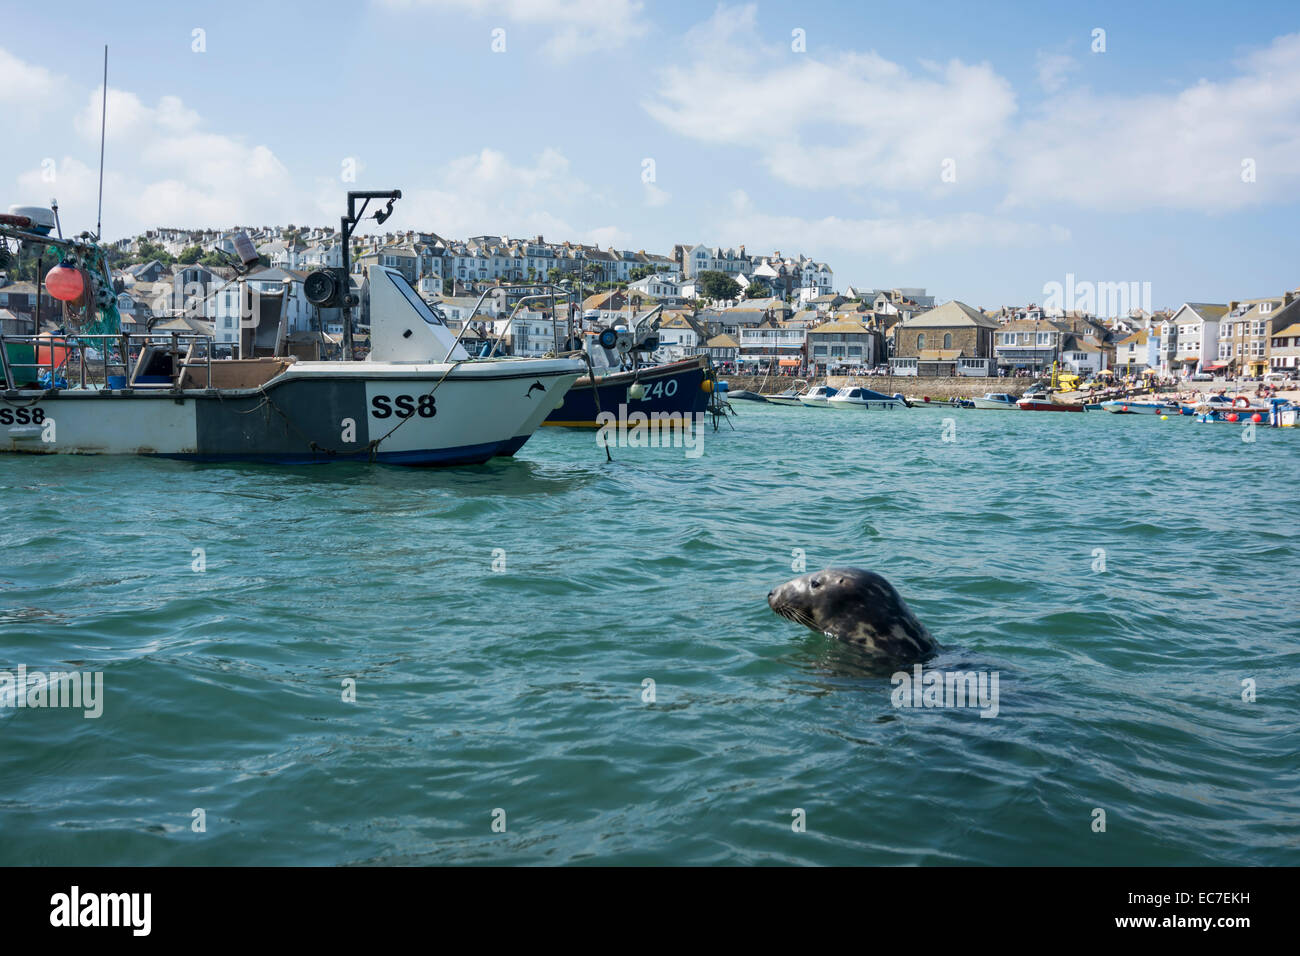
[{"x": 775, "y": 313}]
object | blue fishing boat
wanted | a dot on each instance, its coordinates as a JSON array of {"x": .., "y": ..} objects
[{"x": 685, "y": 388}]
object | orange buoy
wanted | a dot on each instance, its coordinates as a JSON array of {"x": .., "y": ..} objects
[
  {"x": 65, "y": 284},
  {"x": 56, "y": 345}
]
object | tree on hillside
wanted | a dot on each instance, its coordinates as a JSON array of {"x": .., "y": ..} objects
[
  {"x": 190, "y": 255},
  {"x": 756, "y": 290},
  {"x": 146, "y": 251},
  {"x": 718, "y": 285}
]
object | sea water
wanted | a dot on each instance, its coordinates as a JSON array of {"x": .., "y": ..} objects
[{"x": 559, "y": 659}]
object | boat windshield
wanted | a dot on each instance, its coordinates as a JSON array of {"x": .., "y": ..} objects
[{"x": 417, "y": 303}]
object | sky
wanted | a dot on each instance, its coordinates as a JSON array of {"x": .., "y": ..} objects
[{"x": 981, "y": 151}]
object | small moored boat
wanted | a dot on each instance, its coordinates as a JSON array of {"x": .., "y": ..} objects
[
  {"x": 855, "y": 396},
  {"x": 789, "y": 397},
  {"x": 1124, "y": 406},
  {"x": 818, "y": 396}
]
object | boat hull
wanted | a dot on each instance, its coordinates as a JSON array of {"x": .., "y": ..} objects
[
  {"x": 1138, "y": 408},
  {"x": 674, "y": 388},
  {"x": 311, "y": 414},
  {"x": 865, "y": 405},
  {"x": 1037, "y": 406},
  {"x": 992, "y": 405}
]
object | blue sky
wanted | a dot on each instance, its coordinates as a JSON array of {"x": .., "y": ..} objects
[{"x": 979, "y": 150}]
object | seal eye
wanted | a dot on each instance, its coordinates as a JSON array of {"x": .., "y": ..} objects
[{"x": 816, "y": 582}]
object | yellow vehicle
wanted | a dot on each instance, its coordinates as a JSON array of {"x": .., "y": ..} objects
[{"x": 1068, "y": 382}]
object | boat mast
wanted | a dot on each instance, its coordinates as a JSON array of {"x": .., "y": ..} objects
[
  {"x": 103, "y": 125},
  {"x": 346, "y": 223}
]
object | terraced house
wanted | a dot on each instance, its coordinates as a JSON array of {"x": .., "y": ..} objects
[
  {"x": 1196, "y": 325},
  {"x": 1246, "y": 330},
  {"x": 842, "y": 343},
  {"x": 772, "y": 344},
  {"x": 1284, "y": 350}
]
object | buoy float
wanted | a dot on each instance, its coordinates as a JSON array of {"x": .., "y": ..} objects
[
  {"x": 1232, "y": 416},
  {"x": 1257, "y": 418},
  {"x": 1123, "y": 408},
  {"x": 65, "y": 284},
  {"x": 707, "y": 385},
  {"x": 1164, "y": 418},
  {"x": 636, "y": 392}
]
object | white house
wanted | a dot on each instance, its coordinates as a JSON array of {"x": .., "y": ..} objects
[
  {"x": 229, "y": 304},
  {"x": 678, "y": 339},
  {"x": 1197, "y": 326},
  {"x": 658, "y": 286},
  {"x": 772, "y": 344},
  {"x": 528, "y": 333},
  {"x": 1137, "y": 351}
]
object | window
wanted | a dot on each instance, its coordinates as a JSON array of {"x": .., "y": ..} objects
[
  {"x": 920, "y": 341},
  {"x": 947, "y": 340}
]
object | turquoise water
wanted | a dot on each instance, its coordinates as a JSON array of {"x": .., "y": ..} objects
[{"x": 521, "y": 690}]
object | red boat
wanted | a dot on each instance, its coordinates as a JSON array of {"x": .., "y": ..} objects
[{"x": 1043, "y": 405}]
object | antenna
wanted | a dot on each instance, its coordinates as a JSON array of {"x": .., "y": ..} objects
[{"x": 103, "y": 118}]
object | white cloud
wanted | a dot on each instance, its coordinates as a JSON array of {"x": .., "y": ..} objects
[
  {"x": 166, "y": 167},
  {"x": 897, "y": 238},
  {"x": 833, "y": 120},
  {"x": 654, "y": 196},
  {"x": 28, "y": 93},
  {"x": 1179, "y": 150},
  {"x": 486, "y": 193},
  {"x": 1053, "y": 68},
  {"x": 847, "y": 119},
  {"x": 576, "y": 26}
]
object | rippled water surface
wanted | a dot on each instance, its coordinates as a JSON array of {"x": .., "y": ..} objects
[{"x": 522, "y": 690}]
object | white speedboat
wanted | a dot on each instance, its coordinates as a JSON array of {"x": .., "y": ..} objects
[
  {"x": 789, "y": 397},
  {"x": 855, "y": 396},
  {"x": 818, "y": 396},
  {"x": 996, "y": 400}
]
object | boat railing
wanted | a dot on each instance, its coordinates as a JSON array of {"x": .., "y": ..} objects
[
  {"x": 547, "y": 293},
  {"x": 107, "y": 344}
]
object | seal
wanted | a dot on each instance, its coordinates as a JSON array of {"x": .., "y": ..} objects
[{"x": 858, "y": 607}]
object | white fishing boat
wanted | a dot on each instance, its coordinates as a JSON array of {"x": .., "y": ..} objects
[
  {"x": 818, "y": 396},
  {"x": 857, "y": 397},
  {"x": 996, "y": 400},
  {"x": 417, "y": 398}
]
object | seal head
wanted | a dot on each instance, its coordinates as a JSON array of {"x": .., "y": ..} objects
[{"x": 858, "y": 607}]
